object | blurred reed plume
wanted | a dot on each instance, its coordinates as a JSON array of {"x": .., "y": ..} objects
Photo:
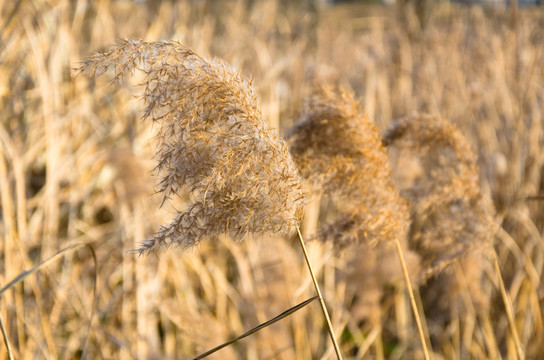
[
  {"x": 212, "y": 142},
  {"x": 452, "y": 219},
  {"x": 339, "y": 152}
]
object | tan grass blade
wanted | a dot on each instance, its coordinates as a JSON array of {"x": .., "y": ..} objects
[
  {"x": 368, "y": 340},
  {"x": 6, "y": 339},
  {"x": 413, "y": 301},
  {"x": 255, "y": 329},
  {"x": 509, "y": 308},
  {"x": 321, "y": 301},
  {"x": 489, "y": 337},
  {"x": 378, "y": 344}
]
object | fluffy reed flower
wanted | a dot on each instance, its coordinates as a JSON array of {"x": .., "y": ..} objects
[
  {"x": 449, "y": 164},
  {"x": 212, "y": 142},
  {"x": 339, "y": 152},
  {"x": 452, "y": 220}
]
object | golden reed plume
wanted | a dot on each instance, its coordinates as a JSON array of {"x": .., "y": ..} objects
[
  {"x": 340, "y": 153},
  {"x": 212, "y": 142}
]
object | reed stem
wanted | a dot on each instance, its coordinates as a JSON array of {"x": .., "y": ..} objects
[
  {"x": 413, "y": 301},
  {"x": 321, "y": 301},
  {"x": 255, "y": 329},
  {"x": 508, "y": 307},
  {"x": 6, "y": 339}
]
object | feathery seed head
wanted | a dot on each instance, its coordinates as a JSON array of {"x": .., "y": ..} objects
[
  {"x": 339, "y": 152},
  {"x": 212, "y": 142},
  {"x": 452, "y": 219},
  {"x": 448, "y": 161}
]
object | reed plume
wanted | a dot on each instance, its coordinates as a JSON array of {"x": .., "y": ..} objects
[
  {"x": 212, "y": 142},
  {"x": 452, "y": 219},
  {"x": 339, "y": 152}
]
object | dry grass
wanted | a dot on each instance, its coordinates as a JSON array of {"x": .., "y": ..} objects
[{"x": 75, "y": 164}]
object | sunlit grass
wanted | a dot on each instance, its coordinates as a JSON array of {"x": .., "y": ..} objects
[{"x": 76, "y": 167}]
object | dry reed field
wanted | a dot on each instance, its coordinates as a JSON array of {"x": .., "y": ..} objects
[{"x": 158, "y": 157}]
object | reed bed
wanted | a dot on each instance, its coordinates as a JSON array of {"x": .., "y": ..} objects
[{"x": 76, "y": 166}]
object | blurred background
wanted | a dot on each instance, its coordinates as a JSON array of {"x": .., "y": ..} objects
[{"x": 76, "y": 165}]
